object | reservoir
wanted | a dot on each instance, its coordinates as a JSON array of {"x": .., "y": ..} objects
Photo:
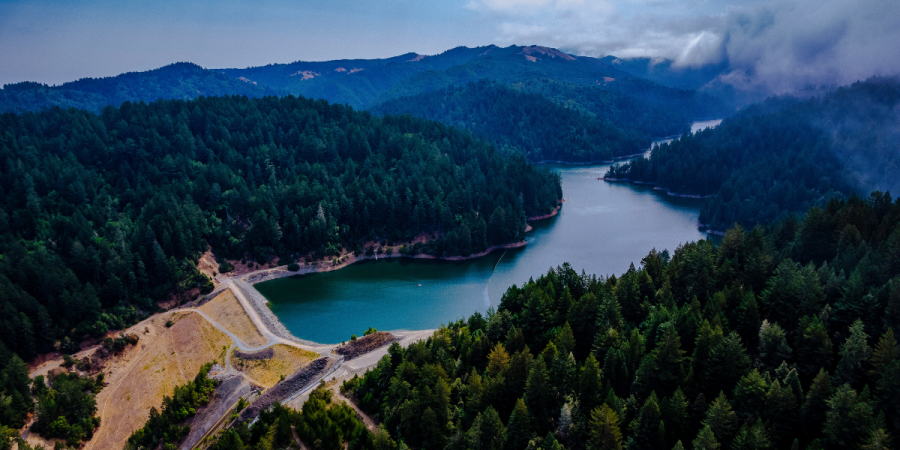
[{"x": 601, "y": 229}]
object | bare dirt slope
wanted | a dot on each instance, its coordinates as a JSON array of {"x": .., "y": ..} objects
[
  {"x": 226, "y": 310},
  {"x": 267, "y": 371},
  {"x": 141, "y": 376}
]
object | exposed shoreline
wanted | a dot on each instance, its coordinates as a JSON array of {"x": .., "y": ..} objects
[
  {"x": 347, "y": 259},
  {"x": 245, "y": 282},
  {"x": 655, "y": 187}
]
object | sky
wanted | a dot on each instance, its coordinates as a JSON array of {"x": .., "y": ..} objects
[{"x": 785, "y": 45}]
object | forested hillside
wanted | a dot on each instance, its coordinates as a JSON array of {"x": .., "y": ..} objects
[
  {"x": 647, "y": 108},
  {"x": 182, "y": 81},
  {"x": 524, "y": 122},
  {"x": 784, "y": 155},
  {"x": 779, "y": 337},
  {"x": 552, "y": 120},
  {"x": 102, "y": 215}
]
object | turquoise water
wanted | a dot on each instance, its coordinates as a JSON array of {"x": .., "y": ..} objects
[{"x": 602, "y": 228}]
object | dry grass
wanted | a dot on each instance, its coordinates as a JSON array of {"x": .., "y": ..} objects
[
  {"x": 268, "y": 372},
  {"x": 140, "y": 376},
  {"x": 226, "y": 311}
]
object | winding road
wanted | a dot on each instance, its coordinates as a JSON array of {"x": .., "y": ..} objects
[{"x": 239, "y": 287}]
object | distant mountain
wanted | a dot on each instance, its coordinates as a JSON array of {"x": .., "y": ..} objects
[
  {"x": 181, "y": 81},
  {"x": 665, "y": 72},
  {"x": 784, "y": 155},
  {"x": 363, "y": 83},
  {"x": 538, "y": 100},
  {"x": 616, "y": 111}
]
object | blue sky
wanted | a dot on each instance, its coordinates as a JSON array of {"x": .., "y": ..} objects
[
  {"x": 786, "y": 43},
  {"x": 57, "y": 41}
]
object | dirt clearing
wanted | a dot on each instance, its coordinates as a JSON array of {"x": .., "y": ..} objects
[
  {"x": 267, "y": 372},
  {"x": 140, "y": 376},
  {"x": 226, "y": 311}
]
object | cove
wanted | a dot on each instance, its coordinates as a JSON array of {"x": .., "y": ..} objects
[{"x": 601, "y": 229}]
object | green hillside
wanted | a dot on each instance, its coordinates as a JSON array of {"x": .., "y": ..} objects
[
  {"x": 182, "y": 81},
  {"x": 103, "y": 215},
  {"x": 784, "y": 155}
]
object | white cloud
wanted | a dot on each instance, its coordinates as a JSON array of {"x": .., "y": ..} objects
[{"x": 781, "y": 46}]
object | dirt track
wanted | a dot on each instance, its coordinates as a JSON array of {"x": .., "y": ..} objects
[{"x": 114, "y": 402}]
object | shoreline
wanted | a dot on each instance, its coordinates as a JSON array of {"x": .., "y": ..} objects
[
  {"x": 268, "y": 274},
  {"x": 655, "y": 187},
  {"x": 588, "y": 163},
  {"x": 258, "y": 302}
]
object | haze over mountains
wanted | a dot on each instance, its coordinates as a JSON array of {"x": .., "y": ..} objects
[
  {"x": 360, "y": 83},
  {"x": 607, "y": 112}
]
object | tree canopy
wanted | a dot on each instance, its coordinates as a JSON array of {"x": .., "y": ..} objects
[{"x": 104, "y": 214}]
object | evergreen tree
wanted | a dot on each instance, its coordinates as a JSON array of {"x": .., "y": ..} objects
[
  {"x": 816, "y": 404},
  {"x": 780, "y": 412},
  {"x": 646, "y": 430},
  {"x": 539, "y": 396},
  {"x": 590, "y": 385},
  {"x": 498, "y": 360},
  {"x": 706, "y": 440},
  {"x": 675, "y": 415},
  {"x": 847, "y": 420},
  {"x": 487, "y": 432},
  {"x": 773, "y": 347},
  {"x": 886, "y": 352},
  {"x": 752, "y": 437},
  {"x": 721, "y": 419},
  {"x": 604, "y": 430},
  {"x": 518, "y": 430},
  {"x": 616, "y": 372},
  {"x": 662, "y": 369},
  {"x": 855, "y": 355},
  {"x": 750, "y": 396},
  {"x": 813, "y": 346},
  {"x": 730, "y": 361},
  {"x": 880, "y": 440}
]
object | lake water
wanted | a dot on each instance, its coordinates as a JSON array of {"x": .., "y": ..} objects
[{"x": 602, "y": 228}]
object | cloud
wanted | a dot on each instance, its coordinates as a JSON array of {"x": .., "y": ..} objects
[
  {"x": 776, "y": 47},
  {"x": 789, "y": 46}
]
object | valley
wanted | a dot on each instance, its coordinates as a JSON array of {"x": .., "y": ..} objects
[{"x": 486, "y": 247}]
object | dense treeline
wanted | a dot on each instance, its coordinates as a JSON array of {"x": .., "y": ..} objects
[
  {"x": 66, "y": 409},
  {"x": 779, "y": 337},
  {"x": 182, "y": 81},
  {"x": 165, "y": 429},
  {"x": 652, "y": 110},
  {"x": 524, "y": 122},
  {"x": 320, "y": 425},
  {"x": 101, "y": 215},
  {"x": 783, "y": 156},
  {"x": 63, "y": 409},
  {"x": 16, "y": 400}
]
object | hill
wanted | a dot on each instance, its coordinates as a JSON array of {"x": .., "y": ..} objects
[
  {"x": 364, "y": 83},
  {"x": 667, "y": 73},
  {"x": 103, "y": 215},
  {"x": 551, "y": 120},
  {"x": 784, "y": 155},
  {"x": 764, "y": 341},
  {"x": 182, "y": 81},
  {"x": 529, "y": 123}
]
